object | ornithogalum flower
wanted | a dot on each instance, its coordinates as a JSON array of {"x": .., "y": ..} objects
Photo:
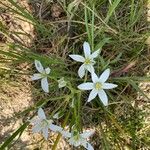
[
  {"x": 97, "y": 86},
  {"x": 88, "y": 60},
  {"x": 79, "y": 139},
  {"x": 41, "y": 124},
  {"x": 43, "y": 73}
]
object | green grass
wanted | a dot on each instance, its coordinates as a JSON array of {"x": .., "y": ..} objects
[{"x": 119, "y": 29}]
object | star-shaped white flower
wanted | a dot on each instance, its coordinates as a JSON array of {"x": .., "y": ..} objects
[
  {"x": 41, "y": 75},
  {"x": 88, "y": 60},
  {"x": 41, "y": 124},
  {"x": 97, "y": 86},
  {"x": 79, "y": 139}
]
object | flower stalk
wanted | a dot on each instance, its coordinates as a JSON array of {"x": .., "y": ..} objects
[{"x": 59, "y": 135}]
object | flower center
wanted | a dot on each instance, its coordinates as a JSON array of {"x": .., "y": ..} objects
[
  {"x": 44, "y": 123},
  {"x": 44, "y": 74},
  {"x": 87, "y": 61},
  {"x": 98, "y": 86},
  {"x": 76, "y": 137}
]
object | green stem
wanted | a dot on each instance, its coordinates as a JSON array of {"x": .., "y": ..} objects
[
  {"x": 92, "y": 30},
  {"x": 79, "y": 111},
  {"x": 85, "y": 78},
  {"x": 59, "y": 135}
]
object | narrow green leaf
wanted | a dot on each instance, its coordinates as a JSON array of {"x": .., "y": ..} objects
[
  {"x": 112, "y": 9},
  {"x": 13, "y": 136}
]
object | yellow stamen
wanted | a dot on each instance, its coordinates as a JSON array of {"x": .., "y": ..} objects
[
  {"x": 87, "y": 61},
  {"x": 98, "y": 86}
]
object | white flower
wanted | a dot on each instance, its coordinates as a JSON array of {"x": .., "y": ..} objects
[
  {"x": 76, "y": 139},
  {"x": 61, "y": 82},
  {"x": 41, "y": 124},
  {"x": 41, "y": 75},
  {"x": 98, "y": 86},
  {"x": 88, "y": 60}
]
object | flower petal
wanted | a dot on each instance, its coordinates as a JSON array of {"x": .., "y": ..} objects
[
  {"x": 66, "y": 134},
  {"x": 92, "y": 95},
  {"x": 90, "y": 68},
  {"x": 39, "y": 66},
  {"x": 105, "y": 75},
  {"x": 44, "y": 84},
  {"x": 86, "y": 86},
  {"x": 77, "y": 58},
  {"x": 35, "y": 120},
  {"x": 41, "y": 114},
  {"x": 87, "y": 134},
  {"x": 102, "y": 95},
  {"x": 45, "y": 132},
  {"x": 55, "y": 128},
  {"x": 95, "y": 54},
  {"x": 88, "y": 146},
  {"x": 109, "y": 86},
  {"x": 47, "y": 70},
  {"x": 36, "y": 76},
  {"x": 81, "y": 71},
  {"x": 74, "y": 142},
  {"x": 37, "y": 128},
  {"x": 87, "y": 50},
  {"x": 94, "y": 77}
]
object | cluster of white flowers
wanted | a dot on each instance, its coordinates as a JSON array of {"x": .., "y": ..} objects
[
  {"x": 97, "y": 87},
  {"x": 42, "y": 124}
]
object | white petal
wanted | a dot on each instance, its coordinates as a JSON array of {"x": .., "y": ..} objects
[
  {"x": 81, "y": 71},
  {"x": 102, "y": 95},
  {"x": 88, "y": 146},
  {"x": 66, "y": 134},
  {"x": 95, "y": 54},
  {"x": 39, "y": 66},
  {"x": 92, "y": 95},
  {"x": 87, "y": 134},
  {"x": 36, "y": 128},
  {"x": 44, "y": 84},
  {"x": 87, "y": 50},
  {"x": 90, "y": 68},
  {"x": 55, "y": 128},
  {"x": 47, "y": 70},
  {"x": 74, "y": 142},
  {"x": 109, "y": 86},
  {"x": 94, "y": 77},
  {"x": 45, "y": 132},
  {"x": 104, "y": 76},
  {"x": 86, "y": 86},
  {"x": 35, "y": 120},
  {"x": 77, "y": 58},
  {"x": 36, "y": 76},
  {"x": 41, "y": 114}
]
